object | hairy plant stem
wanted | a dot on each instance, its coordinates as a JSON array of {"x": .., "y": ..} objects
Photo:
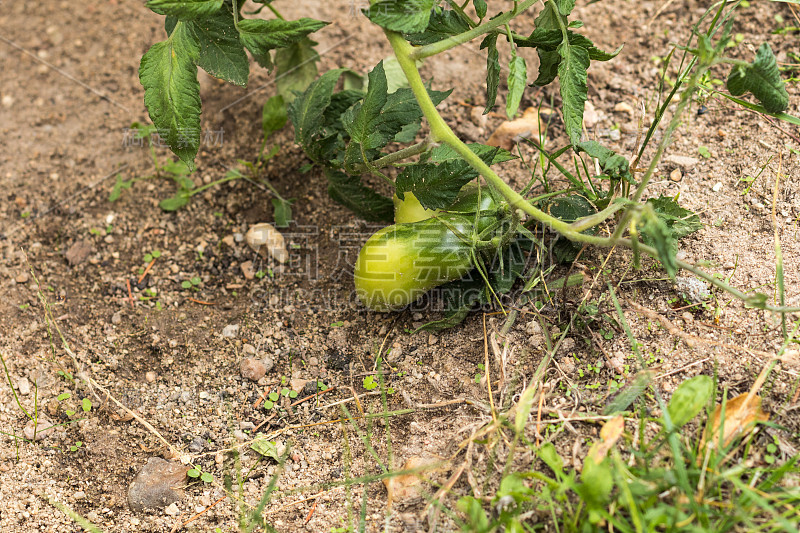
[
  {"x": 404, "y": 153},
  {"x": 441, "y": 132},
  {"x": 457, "y": 40}
]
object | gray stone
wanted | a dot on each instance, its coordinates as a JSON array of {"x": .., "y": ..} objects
[
  {"x": 230, "y": 331},
  {"x": 682, "y": 161},
  {"x": 78, "y": 252},
  {"x": 24, "y": 386},
  {"x": 43, "y": 428},
  {"x": 158, "y": 484},
  {"x": 197, "y": 445}
]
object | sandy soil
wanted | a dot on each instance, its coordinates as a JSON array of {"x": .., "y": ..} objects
[{"x": 69, "y": 93}]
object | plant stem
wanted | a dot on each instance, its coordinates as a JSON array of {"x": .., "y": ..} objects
[
  {"x": 451, "y": 42},
  {"x": 404, "y": 153},
  {"x": 441, "y": 131}
]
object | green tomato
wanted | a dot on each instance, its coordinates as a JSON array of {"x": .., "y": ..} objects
[
  {"x": 399, "y": 263},
  {"x": 409, "y": 209}
]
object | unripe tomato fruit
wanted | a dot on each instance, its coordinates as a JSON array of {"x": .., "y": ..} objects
[
  {"x": 409, "y": 209},
  {"x": 400, "y": 263}
]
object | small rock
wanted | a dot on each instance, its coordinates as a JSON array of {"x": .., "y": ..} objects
[
  {"x": 297, "y": 385},
  {"x": 230, "y": 331},
  {"x": 249, "y": 349},
  {"x": 432, "y": 339},
  {"x": 624, "y": 107},
  {"x": 510, "y": 132},
  {"x": 197, "y": 445},
  {"x": 8, "y": 100},
  {"x": 477, "y": 117},
  {"x": 150, "y": 376},
  {"x": 687, "y": 317},
  {"x": 238, "y": 237},
  {"x": 682, "y": 160},
  {"x": 615, "y": 134},
  {"x": 116, "y": 318},
  {"x": 717, "y": 187},
  {"x": 239, "y": 435},
  {"x": 676, "y": 175},
  {"x": 157, "y": 485},
  {"x": 172, "y": 509},
  {"x": 248, "y": 270},
  {"x": 567, "y": 365},
  {"x": 265, "y": 238},
  {"x": 268, "y": 363},
  {"x": 43, "y": 428},
  {"x": 533, "y": 328},
  {"x": 252, "y": 369},
  {"x": 204, "y": 395},
  {"x": 229, "y": 241},
  {"x": 693, "y": 289},
  {"x": 22, "y": 278},
  {"x": 24, "y": 386},
  {"x": 79, "y": 495},
  {"x": 78, "y": 252},
  {"x": 590, "y": 115}
]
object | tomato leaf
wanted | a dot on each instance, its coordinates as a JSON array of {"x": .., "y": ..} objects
[
  {"x": 572, "y": 76},
  {"x": 517, "y": 81},
  {"x": 613, "y": 165},
  {"x": 296, "y": 68},
  {"x": 260, "y": 36},
  {"x": 405, "y": 16},
  {"x": 679, "y": 220},
  {"x": 457, "y": 298},
  {"x": 480, "y": 8},
  {"x": 185, "y": 9},
  {"x": 363, "y": 201},
  {"x": 221, "y": 52},
  {"x": 657, "y": 234},
  {"x": 762, "y": 78},
  {"x": 442, "y": 24},
  {"x": 436, "y": 182},
  {"x": 492, "y": 70},
  {"x": 307, "y": 111},
  {"x": 168, "y": 73}
]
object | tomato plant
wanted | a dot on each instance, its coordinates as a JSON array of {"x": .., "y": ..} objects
[{"x": 353, "y": 131}]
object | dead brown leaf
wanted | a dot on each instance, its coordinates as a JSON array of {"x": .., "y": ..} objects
[
  {"x": 609, "y": 436},
  {"x": 405, "y": 486},
  {"x": 741, "y": 415}
]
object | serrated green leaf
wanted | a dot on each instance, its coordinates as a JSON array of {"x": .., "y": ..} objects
[
  {"x": 548, "y": 454},
  {"x": 480, "y": 8},
  {"x": 363, "y": 201},
  {"x": 569, "y": 209},
  {"x": 168, "y": 73},
  {"x": 548, "y": 39},
  {"x": 517, "y": 81},
  {"x": 283, "y": 212},
  {"x": 572, "y": 77},
  {"x": 492, "y": 70},
  {"x": 442, "y": 25},
  {"x": 221, "y": 52},
  {"x": 689, "y": 399},
  {"x": 658, "y": 235},
  {"x": 761, "y": 78},
  {"x": 436, "y": 183},
  {"x": 308, "y": 110},
  {"x": 405, "y": 16},
  {"x": 565, "y": 7},
  {"x": 185, "y": 9},
  {"x": 296, "y": 68},
  {"x": 613, "y": 165},
  {"x": 679, "y": 220},
  {"x": 260, "y": 36},
  {"x": 548, "y": 67},
  {"x": 444, "y": 152},
  {"x": 273, "y": 115},
  {"x": 362, "y": 120}
]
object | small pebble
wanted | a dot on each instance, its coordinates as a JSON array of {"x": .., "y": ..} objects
[
  {"x": 624, "y": 107},
  {"x": 204, "y": 395},
  {"x": 249, "y": 349},
  {"x": 230, "y": 331},
  {"x": 172, "y": 509},
  {"x": 150, "y": 376},
  {"x": 252, "y": 369},
  {"x": 116, "y": 318},
  {"x": 24, "y": 386},
  {"x": 717, "y": 187},
  {"x": 42, "y": 429},
  {"x": 197, "y": 445},
  {"x": 248, "y": 271},
  {"x": 79, "y": 495},
  {"x": 22, "y": 278},
  {"x": 676, "y": 175}
]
